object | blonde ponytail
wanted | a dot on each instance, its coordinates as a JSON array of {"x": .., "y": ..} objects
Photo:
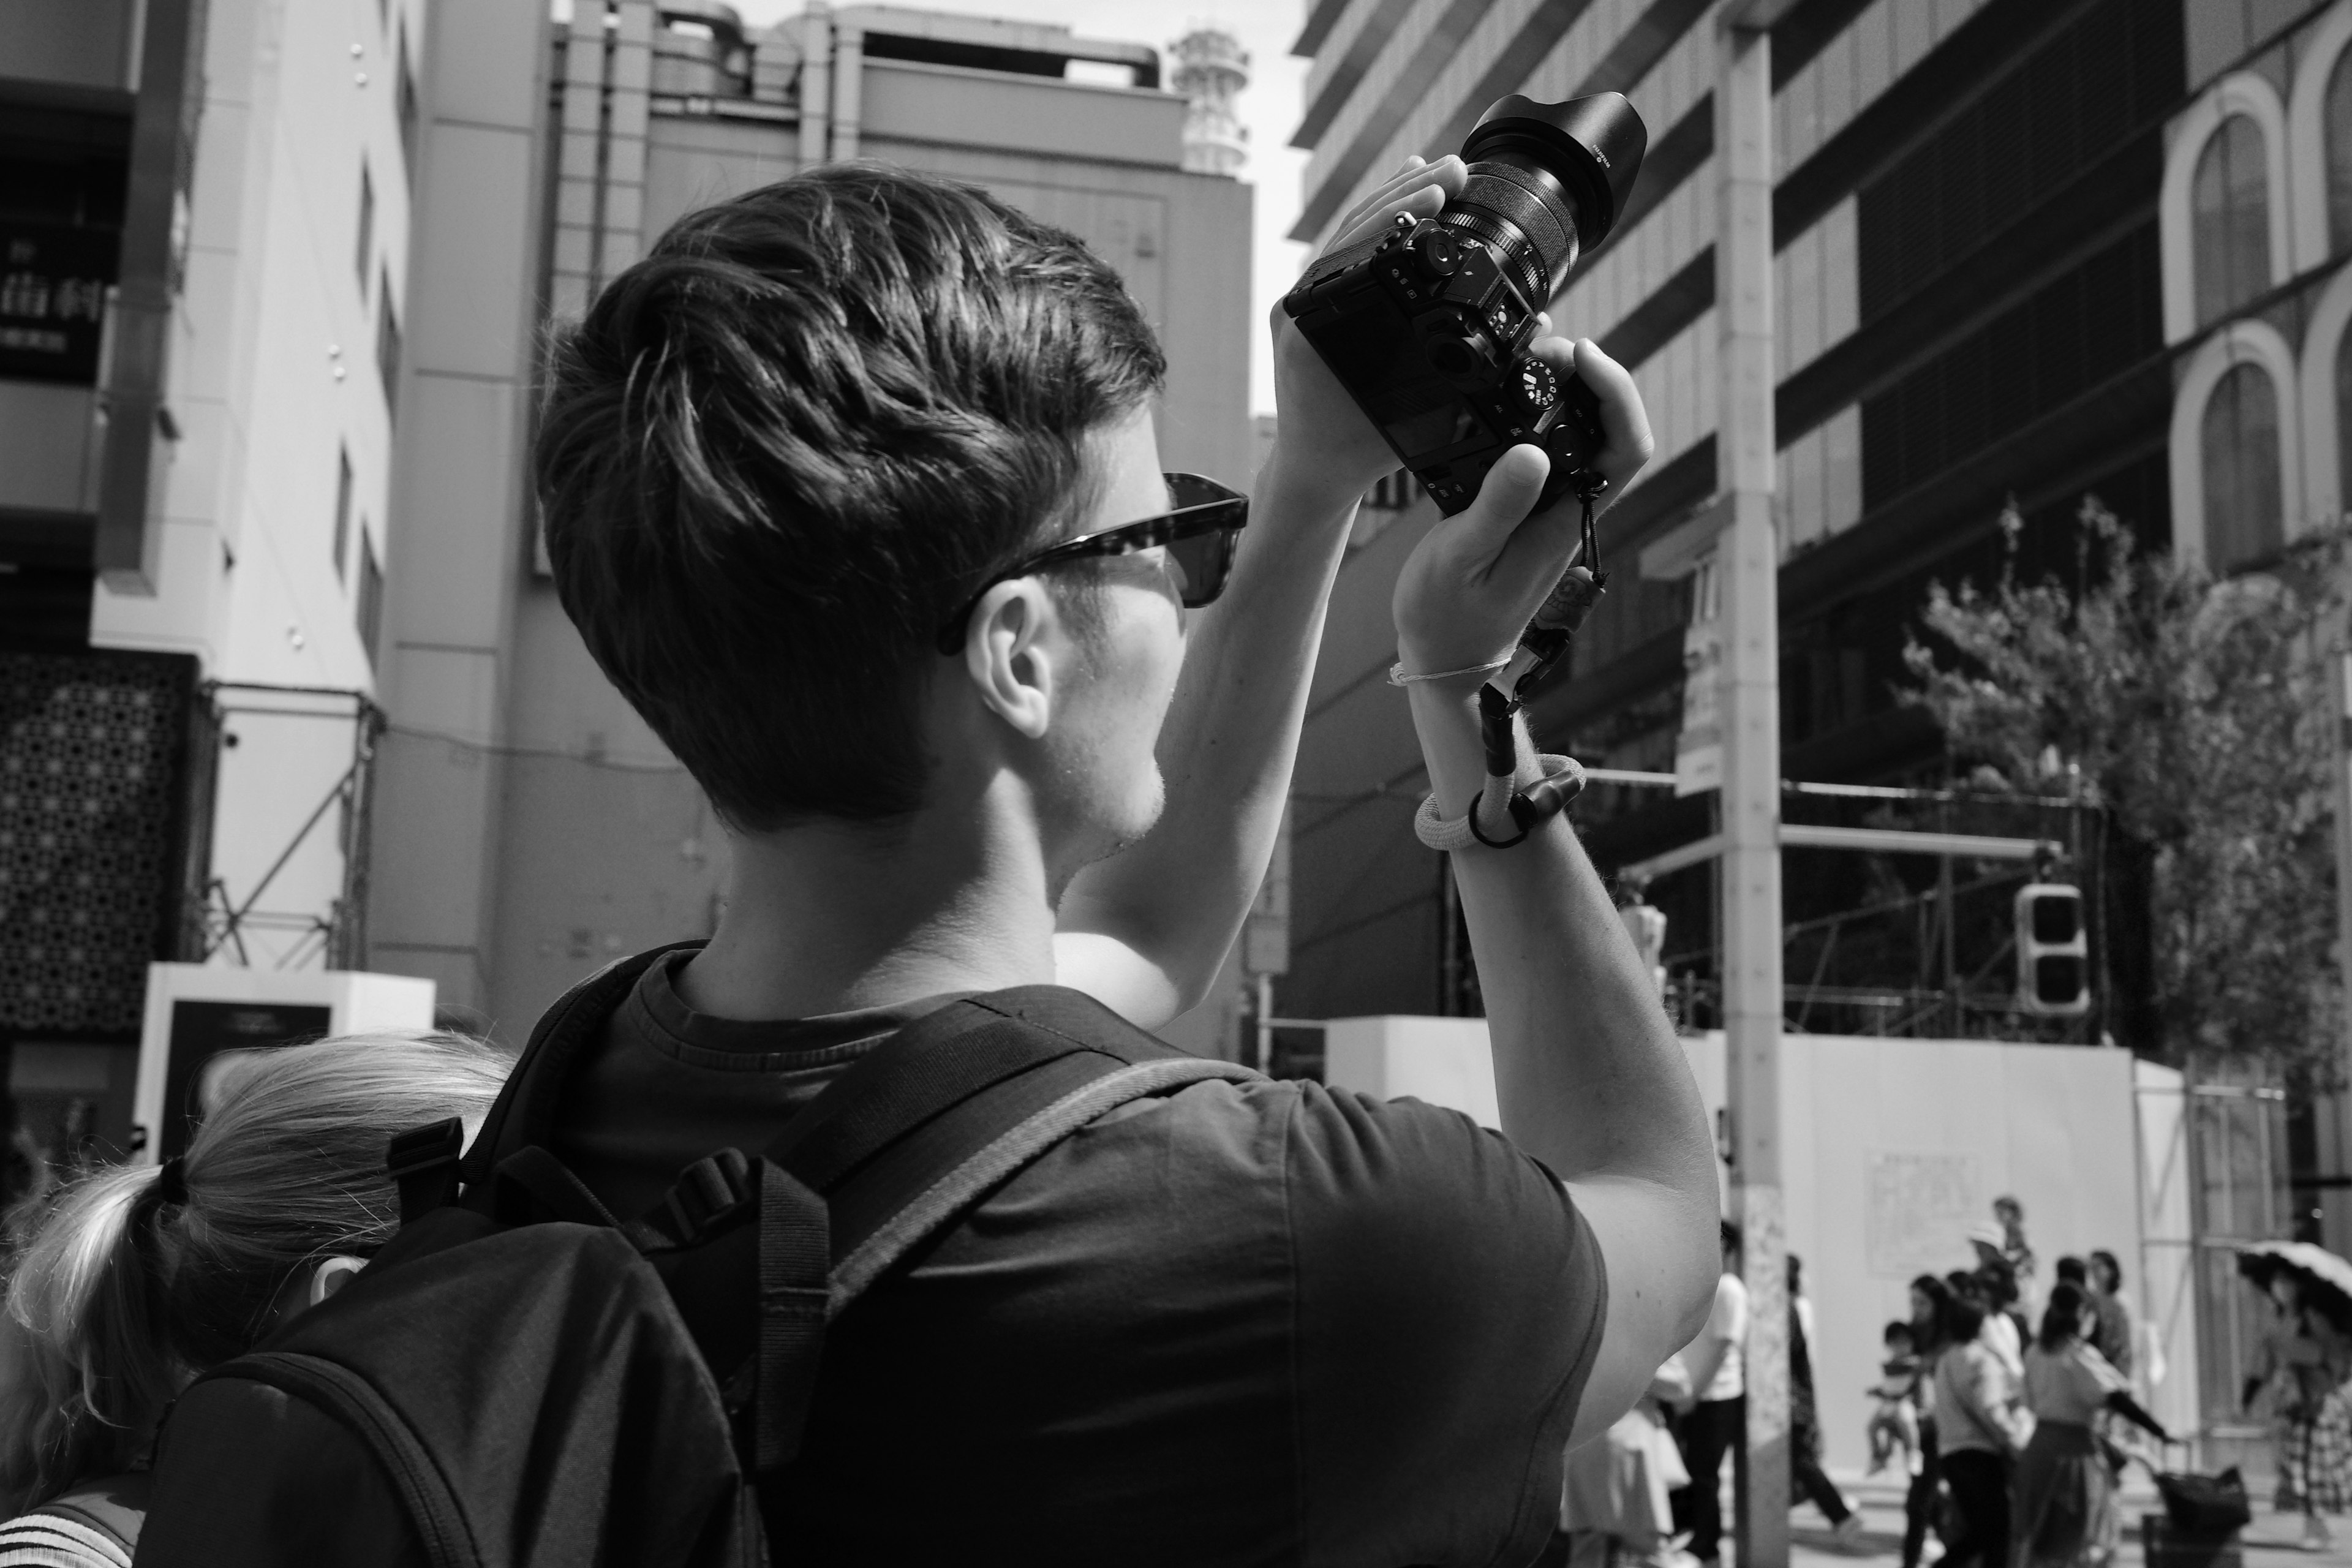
[{"x": 128, "y": 1289}]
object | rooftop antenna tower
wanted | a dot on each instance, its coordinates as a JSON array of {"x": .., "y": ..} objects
[{"x": 1210, "y": 71}]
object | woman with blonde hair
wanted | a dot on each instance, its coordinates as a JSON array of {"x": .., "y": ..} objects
[{"x": 142, "y": 1277}]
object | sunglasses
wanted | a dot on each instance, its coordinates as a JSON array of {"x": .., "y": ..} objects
[{"x": 1200, "y": 532}]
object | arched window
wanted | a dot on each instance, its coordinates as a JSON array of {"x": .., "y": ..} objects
[
  {"x": 2244, "y": 519},
  {"x": 2335, "y": 119},
  {"x": 2344, "y": 418},
  {"x": 2229, "y": 217}
]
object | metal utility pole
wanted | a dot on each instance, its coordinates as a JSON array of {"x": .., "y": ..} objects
[
  {"x": 1747, "y": 563},
  {"x": 2333, "y": 1121}
]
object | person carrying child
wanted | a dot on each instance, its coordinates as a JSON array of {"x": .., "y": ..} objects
[{"x": 1895, "y": 1421}]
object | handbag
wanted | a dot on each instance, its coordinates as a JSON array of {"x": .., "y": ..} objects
[{"x": 2205, "y": 1506}]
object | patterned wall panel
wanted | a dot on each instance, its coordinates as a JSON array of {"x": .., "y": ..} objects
[{"x": 92, "y": 834}]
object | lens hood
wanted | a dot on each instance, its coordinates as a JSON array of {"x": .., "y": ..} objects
[{"x": 1592, "y": 146}]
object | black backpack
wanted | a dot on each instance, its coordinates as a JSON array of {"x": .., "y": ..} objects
[{"x": 518, "y": 1380}]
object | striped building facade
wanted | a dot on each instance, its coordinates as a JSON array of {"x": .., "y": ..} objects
[{"x": 2027, "y": 250}]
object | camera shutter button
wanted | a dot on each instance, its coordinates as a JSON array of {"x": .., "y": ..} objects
[{"x": 1434, "y": 249}]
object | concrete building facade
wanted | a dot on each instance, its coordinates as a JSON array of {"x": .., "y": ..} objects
[
  {"x": 205, "y": 231},
  {"x": 2014, "y": 264},
  {"x": 529, "y": 826}
]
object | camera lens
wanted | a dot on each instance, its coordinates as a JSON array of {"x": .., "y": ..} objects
[{"x": 1546, "y": 180}]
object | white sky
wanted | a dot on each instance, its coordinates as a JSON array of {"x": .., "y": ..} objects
[{"x": 1270, "y": 108}]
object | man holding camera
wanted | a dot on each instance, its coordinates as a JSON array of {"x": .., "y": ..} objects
[{"x": 851, "y": 487}]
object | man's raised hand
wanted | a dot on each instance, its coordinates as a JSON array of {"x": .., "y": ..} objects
[
  {"x": 1318, "y": 421},
  {"x": 1472, "y": 585}
]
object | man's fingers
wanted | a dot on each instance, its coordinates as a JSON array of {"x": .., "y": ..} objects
[
  {"x": 1623, "y": 418},
  {"x": 1382, "y": 194},
  {"x": 1408, "y": 190},
  {"x": 1428, "y": 201},
  {"x": 1409, "y": 173}
]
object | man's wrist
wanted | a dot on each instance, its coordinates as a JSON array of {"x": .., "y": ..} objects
[
  {"x": 1298, "y": 480},
  {"x": 1452, "y": 748}
]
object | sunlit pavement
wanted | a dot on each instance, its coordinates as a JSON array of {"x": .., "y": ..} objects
[{"x": 2271, "y": 1542}]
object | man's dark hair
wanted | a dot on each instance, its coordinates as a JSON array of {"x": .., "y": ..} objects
[
  {"x": 2073, "y": 1270},
  {"x": 1963, "y": 1318},
  {"x": 780, "y": 450}
]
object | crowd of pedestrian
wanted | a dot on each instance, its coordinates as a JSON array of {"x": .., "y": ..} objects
[{"x": 2011, "y": 1433}]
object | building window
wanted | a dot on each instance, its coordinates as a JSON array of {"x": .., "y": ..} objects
[
  {"x": 2244, "y": 517},
  {"x": 2230, "y": 217},
  {"x": 342, "y": 508},
  {"x": 2335, "y": 121},
  {"x": 370, "y": 614},
  {"x": 387, "y": 345},
  {"x": 406, "y": 104},
  {"x": 1392, "y": 492},
  {"x": 367, "y": 227}
]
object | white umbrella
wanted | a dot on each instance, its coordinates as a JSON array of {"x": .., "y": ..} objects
[{"x": 2325, "y": 1278}]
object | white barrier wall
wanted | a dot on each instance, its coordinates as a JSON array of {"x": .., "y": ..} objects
[
  {"x": 199, "y": 1017},
  {"x": 1894, "y": 1149}
]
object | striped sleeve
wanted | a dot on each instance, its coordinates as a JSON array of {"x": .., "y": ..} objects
[{"x": 47, "y": 1541}]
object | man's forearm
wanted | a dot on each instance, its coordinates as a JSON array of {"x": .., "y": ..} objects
[
  {"x": 1227, "y": 749},
  {"x": 1589, "y": 1074}
]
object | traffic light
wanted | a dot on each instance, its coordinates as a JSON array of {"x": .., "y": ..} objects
[
  {"x": 2053, "y": 957},
  {"x": 1646, "y": 924}
]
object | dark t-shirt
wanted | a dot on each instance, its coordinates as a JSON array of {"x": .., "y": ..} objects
[{"x": 1243, "y": 1323}]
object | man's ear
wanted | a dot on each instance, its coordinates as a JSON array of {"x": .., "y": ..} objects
[
  {"x": 333, "y": 1275},
  {"x": 1010, "y": 653}
]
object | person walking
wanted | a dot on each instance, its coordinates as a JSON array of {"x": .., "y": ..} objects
[
  {"x": 1931, "y": 1301},
  {"x": 2065, "y": 1487},
  {"x": 1980, "y": 1431},
  {"x": 1982, "y": 1288},
  {"x": 1806, "y": 1480},
  {"x": 1716, "y": 1360},
  {"x": 2117, "y": 1337},
  {"x": 1615, "y": 1507},
  {"x": 2300, "y": 1363}
]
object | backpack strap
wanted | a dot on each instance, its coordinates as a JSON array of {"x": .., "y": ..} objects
[
  {"x": 908, "y": 1138},
  {"x": 988, "y": 1168},
  {"x": 803, "y": 1289}
]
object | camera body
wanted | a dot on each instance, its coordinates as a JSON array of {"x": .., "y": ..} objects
[{"x": 1427, "y": 324}]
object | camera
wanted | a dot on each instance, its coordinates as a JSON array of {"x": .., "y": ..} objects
[{"x": 1427, "y": 324}]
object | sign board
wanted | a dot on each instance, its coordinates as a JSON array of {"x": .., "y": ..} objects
[
  {"x": 1919, "y": 1205},
  {"x": 1698, "y": 749},
  {"x": 202, "y": 1021},
  {"x": 53, "y": 286}
]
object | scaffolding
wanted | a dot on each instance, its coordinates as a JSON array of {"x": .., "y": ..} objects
[{"x": 214, "y": 922}]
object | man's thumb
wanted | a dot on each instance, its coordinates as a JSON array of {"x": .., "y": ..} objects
[{"x": 1503, "y": 500}]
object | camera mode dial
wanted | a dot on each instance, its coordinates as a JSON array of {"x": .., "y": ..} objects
[{"x": 1534, "y": 386}]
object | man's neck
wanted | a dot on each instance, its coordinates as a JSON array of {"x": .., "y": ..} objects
[{"x": 832, "y": 917}]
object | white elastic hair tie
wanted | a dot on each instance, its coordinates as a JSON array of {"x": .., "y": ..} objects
[{"x": 1494, "y": 803}]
